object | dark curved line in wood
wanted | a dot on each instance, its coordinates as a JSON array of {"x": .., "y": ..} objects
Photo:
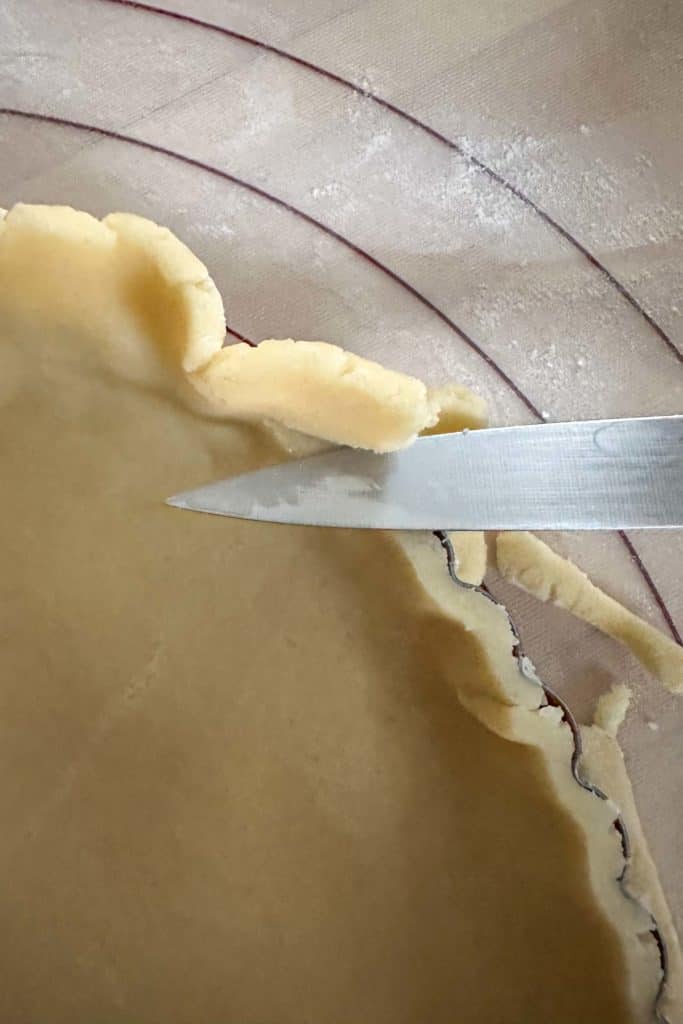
[
  {"x": 661, "y": 603},
  {"x": 473, "y": 160},
  {"x": 240, "y": 337}
]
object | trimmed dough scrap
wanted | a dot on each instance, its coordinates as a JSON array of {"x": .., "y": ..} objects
[
  {"x": 611, "y": 709},
  {"x": 318, "y": 389},
  {"x": 459, "y": 409},
  {"x": 532, "y": 565},
  {"x": 255, "y": 772}
]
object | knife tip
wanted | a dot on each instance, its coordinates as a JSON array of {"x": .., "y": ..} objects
[{"x": 177, "y": 501}]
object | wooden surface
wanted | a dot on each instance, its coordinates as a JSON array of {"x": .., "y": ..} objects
[{"x": 492, "y": 192}]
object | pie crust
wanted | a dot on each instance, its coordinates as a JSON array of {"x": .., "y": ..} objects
[{"x": 255, "y": 773}]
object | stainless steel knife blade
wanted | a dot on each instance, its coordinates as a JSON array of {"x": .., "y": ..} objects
[{"x": 595, "y": 475}]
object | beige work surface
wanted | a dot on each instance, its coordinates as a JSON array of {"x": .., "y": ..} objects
[{"x": 322, "y": 213}]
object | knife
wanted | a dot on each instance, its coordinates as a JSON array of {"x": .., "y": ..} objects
[{"x": 595, "y": 475}]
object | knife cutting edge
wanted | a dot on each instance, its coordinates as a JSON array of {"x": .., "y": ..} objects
[{"x": 592, "y": 475}]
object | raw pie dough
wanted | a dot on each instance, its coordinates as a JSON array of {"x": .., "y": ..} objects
[{"x": 256, "y": 774}]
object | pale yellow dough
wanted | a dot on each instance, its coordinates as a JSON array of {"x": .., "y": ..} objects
[
  {"x": 602, "y": 761},
  {"x": 527, "y": 561},
  {"x": 611, "y": 709},
  {"x": 255, "y": 773},
  {"x": 129, "y": 276},
  {"x": 318, "y": 389},
  {"x": 459, "y": 409}
]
